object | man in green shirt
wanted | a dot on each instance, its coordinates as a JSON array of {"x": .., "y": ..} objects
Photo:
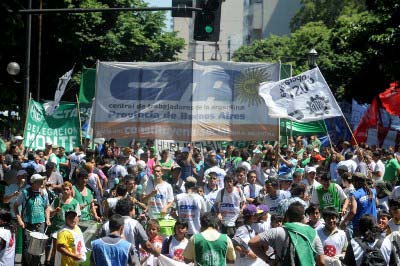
[{"x": 392, "y": 169}]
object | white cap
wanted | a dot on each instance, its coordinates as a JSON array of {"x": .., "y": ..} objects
[
  {"x": 18, "y": 138},
  {"x": 310, "y": 169},
  {"x": 316, "y": 149},
  {"x": 49, "y": 143},
  {"x": 36, "y": 177},
  {"x": 21, "y": 172}
]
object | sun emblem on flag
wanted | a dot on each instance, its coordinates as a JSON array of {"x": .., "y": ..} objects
[
  {"x": 247, "y": 83},
  {"x": 318, "y": 105}
]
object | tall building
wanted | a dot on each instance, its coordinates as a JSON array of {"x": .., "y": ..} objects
[{"x": 242, "y": 22}]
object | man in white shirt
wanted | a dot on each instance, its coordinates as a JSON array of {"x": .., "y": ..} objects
[
  {"x": 272, "y": 196},
  {"x": 159, "y": 195},
  {"x": 211, "y": 190},
  {"x": 349, "y": 162},
  {"x": 215, "y": 168},
  {"x": 310, "y": 181},
  {"x": 190, "y": 206},
  {"x": 379, "y": 169},
  {"x": 117, "y": 171}
]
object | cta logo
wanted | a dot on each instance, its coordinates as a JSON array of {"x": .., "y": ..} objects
[{"x": 36, "y": 112}]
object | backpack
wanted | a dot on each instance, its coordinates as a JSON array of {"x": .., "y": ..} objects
[
  {"x": 395, "y": 254},
  {"x": 372, "y": 255}
]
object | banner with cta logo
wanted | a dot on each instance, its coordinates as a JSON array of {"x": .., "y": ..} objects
[
  {"x": 302, "y": 98},
  {"x": 185, "y": 101},
  {"x": 62, "y": 128}
]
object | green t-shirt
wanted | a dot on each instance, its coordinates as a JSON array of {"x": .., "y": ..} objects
[
  {"x": 210, "y": 253},
  {"x": 328, "y": 198},
  {"x": 391, "y": 168},
  {"x": 58, "y": 220},
  {"x": 167, "y": 176},
  {"x": 84, "y": 200},
  {"x": 64, "y": 171}
]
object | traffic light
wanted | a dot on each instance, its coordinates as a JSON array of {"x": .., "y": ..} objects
[{"x": 207, "y": 22}]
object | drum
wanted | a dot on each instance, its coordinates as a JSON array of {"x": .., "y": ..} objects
[{"x": 37, "y": 243}]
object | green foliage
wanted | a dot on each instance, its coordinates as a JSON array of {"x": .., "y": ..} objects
[{"x": 358, "y": 48}]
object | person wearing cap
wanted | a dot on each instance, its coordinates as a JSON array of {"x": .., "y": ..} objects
[
  {"x": 103, "y": 249},
  {"x": 243, "y": 234},
  {"x": 213, "y": 163},
  {"x": 70, "y": 247},
  {"x": 346, "y": 147},
  {"x": 32, "y": 211},
  {"x": 13, "y": 190},
  {"x": 252, "y": 190},
  {"x": 118, "y": 170},
  {"x": 362, "y": 201},
  {"x": 190, "y": 206},
  {"x": 333, "y": 239},
  {"x": 272, "y": 195},
  {"x": 309, "y": 180},
  {"x": 158, "y": 195},
  {"x": 229, "y": 204},
  {"x": 209, "y": 247},
  {"x": 285, "y": 178},
  {"x": 262, "y": 222},
  {"x": 329, "y": 194},
  {"x": 383, "y": 192},
  {"x": 211, "y": 190}
]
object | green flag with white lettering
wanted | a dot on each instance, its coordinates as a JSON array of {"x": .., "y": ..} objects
[{"x": 61, "y": 128}]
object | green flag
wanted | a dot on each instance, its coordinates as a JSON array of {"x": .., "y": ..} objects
[
  {"x": 309, "y": 128},
  {"x": 87, "y": 89},
  {"x": 61, "y": 128}
]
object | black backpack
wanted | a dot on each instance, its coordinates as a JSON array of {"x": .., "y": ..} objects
[{"x": 372, "y": 255}]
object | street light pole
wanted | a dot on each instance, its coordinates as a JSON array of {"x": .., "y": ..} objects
[
  {"x": 312, "y": 58},
  {"x": 27, "y": 58}
]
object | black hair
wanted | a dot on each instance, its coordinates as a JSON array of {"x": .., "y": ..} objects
[
  {"x": 251, "y": 172},
  {"x": 369, "y": 229},
  {"x": 328, "y": 212},
  {"x": 276, "y": 218},
  {"x": 115, "y": 223},
  {"x": 295, "y": 212},
  {"x": 394, "y": 203},
  {"x": 272, "y": 181},
  {"x": 240, "y": 170},
  {"x": 31, "y": 156},
  {"x": 209, "y": 219},
  {"x": 297, "y": 189},
  {"x": 311, "y": 209},
  {"x": 82, "y": 172},
  {"x": 121, "y": 190},
  {"x": 348, "y": 155},
  {"x": 181, "y": 224},
  {"x": 124, "y": 207},
  {"x": 50, "y": 165},
  {"x": 5, "y": 218}
]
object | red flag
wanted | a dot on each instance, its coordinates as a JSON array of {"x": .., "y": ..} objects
[
  {"x": 370, "y": 119},
  {"x": 390, "y": 99}
]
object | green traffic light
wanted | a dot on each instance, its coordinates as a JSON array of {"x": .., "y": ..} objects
[{"x": 209, "y": 29}]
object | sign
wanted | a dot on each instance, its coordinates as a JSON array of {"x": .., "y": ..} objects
[
  {"x": 302, "y": 98},
  {"x": 185, "y": 101},
  {"x": 61, "y": 128}
]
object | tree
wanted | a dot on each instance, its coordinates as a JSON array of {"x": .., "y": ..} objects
[{"x": 83, "y": 38}]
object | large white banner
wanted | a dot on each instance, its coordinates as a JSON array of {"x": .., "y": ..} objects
[
  {"x": 187, "y": 101},
  {"x": 302, "y": 98}
]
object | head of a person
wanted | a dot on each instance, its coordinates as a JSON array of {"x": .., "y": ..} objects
[
  {"x": 325, "y": 181},
  {"x": 31, "y": 156},
  {"x": 244, "y": 155},
  {"x": 116, "y": 223},
  {"x": 125, "y": 207},
  {"x": 121, "y": 190},
  {"x": 37, "y": 181},
  {"x": 164, "y": 154},
  {"x": 240, "y": 175},
  {"x": 348, "y": 156},
  {"x": 82, "y": 176},
  {"x": 212, "y": 179},
  {"x": 181, "y": 228},
  {"x": 132, "y": 170},
  {"x": 249, "y": 213},
  {"x": 252, "y": 177},
  {"x": 89, "y": 167},
  {"x": 298, "y": 175},
  {"x": 330, "y": 216},
  {"x": 190, "y": 183},
  {"x": 271, "y": 186},
  {"x": 369, "y": 228},
  {"x": 127, "y": 151},
  {"x": 359, "y": 180},
  {"x": 295, "y": 213},
  {"x": 61, "y": 151},
  {"x": 229, "y": 183},
  {"x": 153, "y": 228},
  {"x": 158, "y": 172},
  {"x": 208, "y": 220},
  {"x": 129, "y": 182},
  {"x": 383, "y": 220},
  {"x": 311, "y": 172},
  {"x": 394, "y": 207},
  {"x": 299, "y": 190},
  {"x": 313, "y": 213},
  {"x": 67, "y": 189},
  {"x": 5, "y": 217},
  {"x": 276, "y": 220},
  {"x": 347, "y": 179},
  {"x": 71, "y": 218}
]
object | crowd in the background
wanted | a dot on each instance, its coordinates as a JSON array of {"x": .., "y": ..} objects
[{"x": 292, "y": 204}]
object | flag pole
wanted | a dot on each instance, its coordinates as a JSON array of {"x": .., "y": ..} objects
[{"x": 79, "y": 117}]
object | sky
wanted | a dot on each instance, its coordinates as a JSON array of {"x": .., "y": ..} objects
[{"x": 162, "y": 3}]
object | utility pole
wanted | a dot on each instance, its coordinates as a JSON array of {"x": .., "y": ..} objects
[{"x": 229, "y": 49}]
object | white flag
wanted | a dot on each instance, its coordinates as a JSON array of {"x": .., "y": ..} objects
[
  {"x": 302, "y": 98},
  {"x": 51, "y": 106}
]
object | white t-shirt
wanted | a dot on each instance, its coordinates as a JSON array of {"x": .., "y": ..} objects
[
  {"x": 116, "y": 171},
  {"x": 379, "y": 167},
  {"x": 257, "y": 188},
  {"x": 190, "y": 206},
  {"x": 160, "y": 200},
  {"x": 351, "y": 165},
  {"x": 310, "y": 188},
  {"x": 74, "y": 160},
  {"x": 395, "y": 193},
  {"x": 246, "y": 165},
  {"x": 386, "y": 249},
  {"x": 229, "y": 205},
  {"x": 393, "y": 227},
  {"x": 334, "y": 243},
  {"x": 210, "y": 196},
  {"x": 273, "y": 202},
  {"x": 7, "y": 255},
  {"x": 262, "y": 226},
  {"x": 176, "y": 247},
  {"x": 244, "y": 233},
  {"x": 220, "y": 175}
]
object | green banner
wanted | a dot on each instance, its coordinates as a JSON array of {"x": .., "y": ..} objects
[
  {"x": 61, "y": 128},
  {"x": 87, "y": 89},
  {"x": 310, "y": 128}
]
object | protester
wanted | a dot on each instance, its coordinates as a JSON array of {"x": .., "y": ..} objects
[
  {"x": 7, "y": 239},
  {"x": 173, "y": 246},
  {"x": 394, "y": 223}
]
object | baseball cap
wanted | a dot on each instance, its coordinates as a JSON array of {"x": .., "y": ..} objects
[
  {"x": 49, "y": 143},
  {"x": 316, "y": 150},
  {"x": 384, "y": 186},
  {"x": 70, "y": 212},
  {"x": 318, "y": 157},
  {"x": 21, "y": 172},
  {"x": 343, "y": 167},
  {"x": 37, "y": 177},
  {"x": 19, "y": 138},
  {"x": 55, "y": 146},
  {"x": 310, "y": 169},
  {"x": 299, "y": 170},
  {"x": 250, "y": 210},
  {"x": 262, "y": 207}
]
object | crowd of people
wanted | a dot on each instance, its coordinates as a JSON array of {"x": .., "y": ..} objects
[{"x": 265, "y": 204}]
